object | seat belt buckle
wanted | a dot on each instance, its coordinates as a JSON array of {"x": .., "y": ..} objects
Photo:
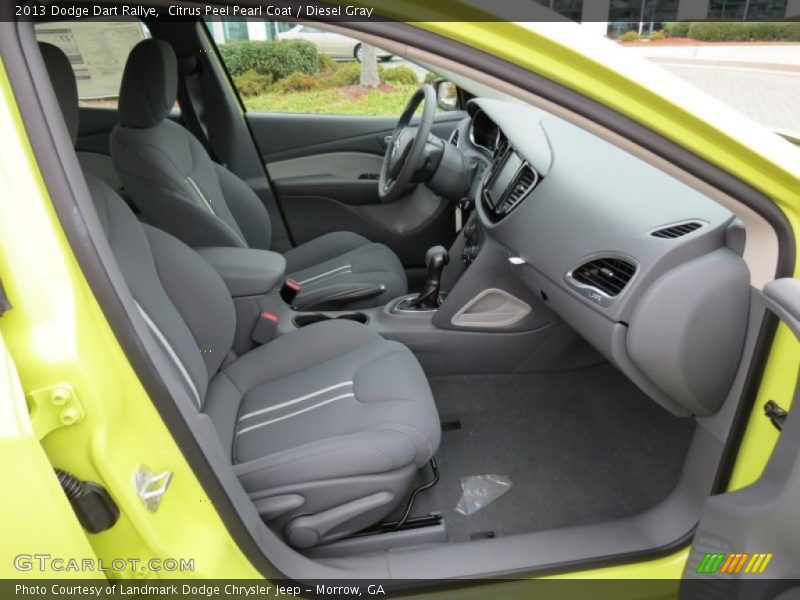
[
  {"x": 289, "y": 291},
  {"x": 265, "y": 328}
]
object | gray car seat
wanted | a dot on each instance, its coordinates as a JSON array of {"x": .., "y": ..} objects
[
  {"x": 325, "y": 427},
  {"x": 173, "y": 181}
]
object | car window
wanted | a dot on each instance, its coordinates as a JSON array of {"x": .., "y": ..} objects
[
  {"x": 97, "y": 50},
  {"x": 280, "y": 68}
]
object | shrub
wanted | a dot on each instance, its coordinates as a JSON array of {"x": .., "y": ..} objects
[
  {"x": 400, "y": 75},
  {"x": 278, "y": 59},
  {"x": 325, "y": 63},
  {"x": 297, "y": 82},
  {"x": 431, "y": 77},
  {"x": 628, "y": 36},
  {"x": 659, "y": 34},
  {"x": 678, "y": 29},
  {"x": 345, "y": 74},
  {"x": 739, "y": 31},
  {"x": 251, "y": 83}
]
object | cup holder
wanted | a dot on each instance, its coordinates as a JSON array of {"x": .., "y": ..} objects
[{"x": 309, "y": 318}]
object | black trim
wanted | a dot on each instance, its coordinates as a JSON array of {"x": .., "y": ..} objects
[
  {"x": 54, "y": 173},
  {"x": 752, "y": 383}
]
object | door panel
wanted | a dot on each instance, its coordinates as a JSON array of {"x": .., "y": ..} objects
[
  {"x": 408, "y": 226},
  {"x": 324, "y": 169},
  {"x": 286, "y": 135},
  {"x": 748, "y": 540},
  {"x": 349, "y": 165}
]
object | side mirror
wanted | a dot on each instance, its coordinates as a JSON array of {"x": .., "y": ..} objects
[{"x": 446, "y": 95}]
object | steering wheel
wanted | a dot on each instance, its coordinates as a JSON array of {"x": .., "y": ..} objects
[{"x": 405, "y": 154}]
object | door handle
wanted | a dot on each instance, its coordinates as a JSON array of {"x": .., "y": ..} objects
[{"x": 385, "y": 141}]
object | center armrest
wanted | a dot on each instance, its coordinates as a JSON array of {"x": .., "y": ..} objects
[{"x": 246, "y": 271}]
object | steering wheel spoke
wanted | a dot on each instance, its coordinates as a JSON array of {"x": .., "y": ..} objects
[{"x": 405, "y": 152}]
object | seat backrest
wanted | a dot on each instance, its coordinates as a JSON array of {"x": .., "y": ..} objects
[
  {"x": 182, "y": 299},
  {"x": 167, "y": 172}
]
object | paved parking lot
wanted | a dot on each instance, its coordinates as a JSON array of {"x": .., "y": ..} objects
[{"x": 767, "y": 97}]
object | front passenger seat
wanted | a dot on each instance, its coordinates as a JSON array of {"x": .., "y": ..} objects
[
  {"x": 325, "y": 427},
  {"x": 179, "y": 189}
]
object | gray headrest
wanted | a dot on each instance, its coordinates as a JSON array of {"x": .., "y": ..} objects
[
  {"x": 63, "y": 79},
  {"x": 149, "y": 84}
]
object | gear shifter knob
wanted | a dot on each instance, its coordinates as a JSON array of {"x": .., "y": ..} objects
[{"x": 435, "y": 260}]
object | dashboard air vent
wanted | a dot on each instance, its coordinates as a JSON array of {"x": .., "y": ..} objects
[
  {"x": 676, "y": 231},
  {"x": 454, "y": 137},
  {"x": 525, "y": 181},
  {"x": 609, "y": 275}
]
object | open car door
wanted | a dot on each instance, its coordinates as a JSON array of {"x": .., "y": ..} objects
[{"x": 747, "y": 543}]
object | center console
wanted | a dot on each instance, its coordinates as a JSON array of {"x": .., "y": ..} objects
[{"x": 473, "y": 315}]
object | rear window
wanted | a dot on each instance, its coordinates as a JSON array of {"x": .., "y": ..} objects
[{"x": 97, "y": 51}]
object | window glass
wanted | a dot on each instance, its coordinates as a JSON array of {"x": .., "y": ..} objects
[
  {"x": 97, "y": 51},
  {"x": 743, "y": 10},
  {"x": 286, "y": 67}
]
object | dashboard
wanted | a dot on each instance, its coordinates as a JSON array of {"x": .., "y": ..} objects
[{"x": 644, "y": 267}]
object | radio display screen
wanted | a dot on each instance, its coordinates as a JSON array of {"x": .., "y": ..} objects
[{"x": 504, "y": 178}]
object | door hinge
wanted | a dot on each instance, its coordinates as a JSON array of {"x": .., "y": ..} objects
[
  {"x": 54, "y": 407},
  {"x": 775, "y": 414}
]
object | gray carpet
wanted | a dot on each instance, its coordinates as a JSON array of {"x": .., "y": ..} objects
[{"x": 580, "y": 447}]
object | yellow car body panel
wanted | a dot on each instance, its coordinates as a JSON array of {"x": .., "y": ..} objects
[
  {"x": 58, "y": 333},
  {"x": 36, "y": 515}
]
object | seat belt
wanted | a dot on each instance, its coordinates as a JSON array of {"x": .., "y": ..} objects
[{"x": 191, "y": 101}]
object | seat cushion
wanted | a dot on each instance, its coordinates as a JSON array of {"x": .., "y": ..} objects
[
  {"x": 343, "y": 257},
  {"x": 330, "y": 400}
]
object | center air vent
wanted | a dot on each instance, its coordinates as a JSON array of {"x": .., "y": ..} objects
[
  {"x": 609, "y": 276},
  {"x": 524, "y": 182},
  {"x": 676, "y": 231},
  {"x": 454, "y": 137}
]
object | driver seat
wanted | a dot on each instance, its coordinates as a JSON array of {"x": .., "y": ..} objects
[{"x": 178, "y": 188}]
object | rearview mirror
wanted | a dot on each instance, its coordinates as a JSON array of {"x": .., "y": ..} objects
[{"x": 446, "y": 95}]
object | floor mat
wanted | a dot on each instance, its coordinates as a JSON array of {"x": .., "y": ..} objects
[{"x": 580, "y": 447}]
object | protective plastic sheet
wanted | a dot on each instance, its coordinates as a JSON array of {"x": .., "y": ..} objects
[{"x": 479, "y": 491}]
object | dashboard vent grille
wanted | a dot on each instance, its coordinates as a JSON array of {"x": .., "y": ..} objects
[
  {"x": 454, "y": 137},
  {"x": 609, "y": 275},
  {"x": 524, "y": 182},
  {"x": 676, "y": 231}
]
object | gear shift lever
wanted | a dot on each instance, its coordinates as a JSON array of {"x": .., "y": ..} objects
[{"x": 435, "y": 260}]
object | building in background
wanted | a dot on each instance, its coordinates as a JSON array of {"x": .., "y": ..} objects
[
  {"x": 225, "y": 31},
  {"x": 611, "y": 17},
  {"x": 646, "y": 15}
]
